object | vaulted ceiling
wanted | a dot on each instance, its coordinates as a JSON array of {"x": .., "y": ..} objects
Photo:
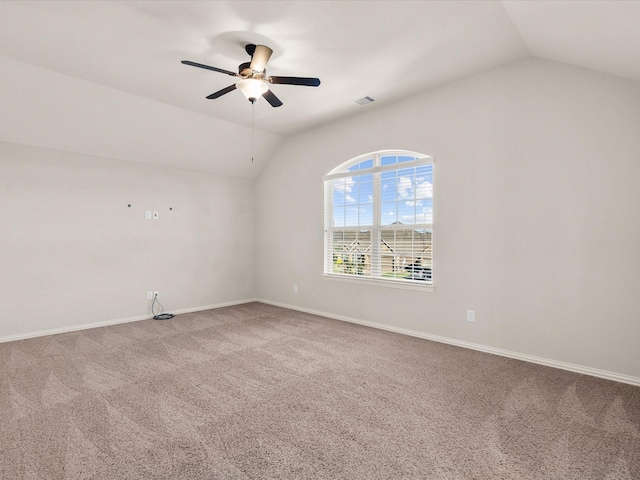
[{"x": 386, "y": 49}]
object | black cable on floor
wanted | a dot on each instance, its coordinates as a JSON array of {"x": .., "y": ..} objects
[{"x": 161, "y": 315}]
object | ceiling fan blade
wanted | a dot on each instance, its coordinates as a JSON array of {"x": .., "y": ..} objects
[
  {"x": 305, "y": 81},
  {"x": 207, "y": 67},
  {"x": 260, "y": 57},
  {"x": 219, "y": 93},
  {"x": 271, "y": 98}
]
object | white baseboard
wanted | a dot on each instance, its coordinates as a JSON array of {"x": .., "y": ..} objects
[
  {"x": 617, "y": 377},
  {"x": 211, "y": 307},
  {"x": 85, "y": 326}
]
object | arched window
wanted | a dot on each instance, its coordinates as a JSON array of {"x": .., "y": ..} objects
[{"x": 379, "y": 219}]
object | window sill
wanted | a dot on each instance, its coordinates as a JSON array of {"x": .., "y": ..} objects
[{"x": 379, "y": 282}]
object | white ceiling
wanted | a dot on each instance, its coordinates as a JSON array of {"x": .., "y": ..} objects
[{"x": 386, "y": 49}]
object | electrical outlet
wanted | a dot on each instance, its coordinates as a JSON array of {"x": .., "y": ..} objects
[
  {"x": 295, "y": 289},
  {"x": 149, "y": 295},
  {"x": 471, "y": 316},
  {"x": 156, "y": 294}
]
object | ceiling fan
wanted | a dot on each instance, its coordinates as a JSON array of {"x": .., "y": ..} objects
[{"x": 254, "y": 81}]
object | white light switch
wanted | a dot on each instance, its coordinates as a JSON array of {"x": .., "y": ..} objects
[
  {"x": 155, "y": 215},
  {"x": 147, "y": 214}
]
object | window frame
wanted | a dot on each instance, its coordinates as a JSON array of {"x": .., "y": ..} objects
[{"x": 342, "y": 171}]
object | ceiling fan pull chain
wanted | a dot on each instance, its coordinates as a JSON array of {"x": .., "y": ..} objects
[{"x": 253, "y": 113}]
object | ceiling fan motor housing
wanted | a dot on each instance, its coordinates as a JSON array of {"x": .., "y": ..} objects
[{"x": 245, "y": 71}]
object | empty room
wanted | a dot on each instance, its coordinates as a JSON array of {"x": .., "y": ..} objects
[{"x": 320, "y": 240}]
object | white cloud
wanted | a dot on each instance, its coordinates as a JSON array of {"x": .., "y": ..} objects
[
  {"x": 418, "y": 187},
  {"x": 349, "y": 198},
  {"x": 344, "y": 185},
  {"x": 411, "y": 203},
  {"x": 405, "y": 186},
  {"x": 424, "y": 190}
]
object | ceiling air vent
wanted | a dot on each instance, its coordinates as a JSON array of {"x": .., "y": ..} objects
[{"x": 364, "y": 100}]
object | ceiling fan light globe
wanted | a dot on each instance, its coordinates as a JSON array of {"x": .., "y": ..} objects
[{"x": 251, "y": 88}]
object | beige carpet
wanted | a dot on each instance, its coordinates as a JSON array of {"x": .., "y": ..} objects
[{"x": 259, "y": 392}]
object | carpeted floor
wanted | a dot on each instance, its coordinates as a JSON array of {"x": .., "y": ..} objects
[{"x": 259, "y": 392}]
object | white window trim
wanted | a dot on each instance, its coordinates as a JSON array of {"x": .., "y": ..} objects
[
  {"x": 380, "y": 282},
  {"x": 380, "y": 168},
  {"x": 339, "y": 172}
]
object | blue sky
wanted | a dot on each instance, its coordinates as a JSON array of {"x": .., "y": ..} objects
[{"x": 407, "y": 195}]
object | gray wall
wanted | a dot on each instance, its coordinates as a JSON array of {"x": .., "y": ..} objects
[
  {"x": 536, "y": 214},
  {"x": 73, "y": 253}
]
